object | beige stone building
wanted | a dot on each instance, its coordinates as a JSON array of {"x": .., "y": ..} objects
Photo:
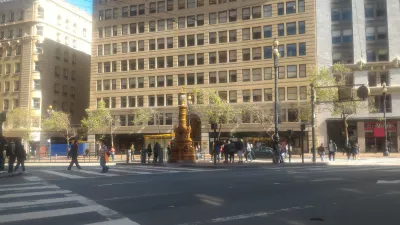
[
  {"x": 44, "y": 58},
  {"x": 145, "y": 52}
]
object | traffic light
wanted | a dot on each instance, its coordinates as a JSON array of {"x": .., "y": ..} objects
[
  {"x": 345, "y": 93},
  {"x": 214, "y": 126}
]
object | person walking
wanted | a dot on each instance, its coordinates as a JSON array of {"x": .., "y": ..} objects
[
  {"x": 225, "y": 150},
  {"x": 332, "y": 148},
  {"x": 10, "y": 153},
  {"x": 321, "y": 152},
  {"x": 240, "y": 150},
  {"x": 132, "y": 152},
  {"x": 355, "y": 151},
  {"x": 74, "y": 155},
  {"x": 112, "y": 152},
  {"x": 2, "y": 148},
  {"x": 149, "y": 152},
  {"x": 249, "y": 147},
  {"x": 20, "y": 154},
  {"x": 104, "y": 154},
  {"x": 217, "y": 150},
  {"x": 156, "y": 150},
  {"x": 232, "y": 150}
]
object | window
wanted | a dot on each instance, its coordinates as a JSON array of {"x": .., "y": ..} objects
[
  {"x": 246, "y": 75},
  {"x": 160, "y": 43},
  {"x": 36, "y": 103},
  {"x": 141, "y": 27},
  {"x": 107, "y": 49},
  {"x": 267, "y": 94},
  {"x": 124, "y": 30},
  {"x": 292, "y": 115},
  {"x": 124, "y": 65},
  {"x": 222, "y": 17},
  {"x": 212, "y": 18},
  {"x": 200, "y": 58},
  {"x": 39, "y": 30},
  {"x": 267, "y": 10},
  {"x": 140, "y": 46},
  {"x": 256, "y": 52},
  {"x": 132, "y": 83},
  {"x": 170, "y": 61},
  {"x": 301, "y": 7},
  {"x": 132, "y": 46},
  {"x": 200, "y": 39},
  {"x": 281, "y": 29},
  {"x": 140, "y": 82},
  {"x": 256, "y": 12},
  {"x": 382, "y": 32},
  {"x": 36, "y": 66},
  {"x": 223, "y": 95},
  {"x": 267, "y": 31},
  {"x": 212, "y": 37},
  {"x": 152, "y": 82},
  {"x": 232, "y": 56},
  {"x": 291, "y": 49},
  {"x": 232, "y": 76},
  {"x": 336, "y": 37},
  {"x": 212, "y": 77},
  {"x": 232, "y": 36},
  {"x": 369, "y": 11},
  {"x": 222, "y": 56},
  {"x": 256, "y": 74},
  {"x": 381, "y": 10},
  {"x": 190, "y": 60},
  {"x": 125, "y": 11},
  {"x": 113, "y": 84},
  {"x": 303, "y": 93},
  {"x": 257, "y": 95},
  {"x": 281, "y": 9},
  {"x": 212, "y": 2},
  {"x": 223, "y": 36},
  {"x": 108, "y": 14},
  {"x": 132, "y": 28},
  {"x": 170, "y": 5},
  {"x": 267, "y": 73},
  {"x": 246, "y": 54},
  {"x": 267, "y": 52},
  {"x": 212, "y": 57},
  {"x": 142, "y": 9},
  {"x": 152, "y": 26},
  {"x": 371, "y": 56},
  {"x": 190, "y": 40},
  {"x": 347, "y": 35},
  {"x": 181, "y": 41},
  {"x": 281, "y": 94},
  {"x": 170, "y": 42},
  {"x": 383, "y": 55},
  {"x": 232, "y": 96},
  {"x": 245, "y": 13},
  {"x": 181, "y": 79},
  {"x": 200, "y": 20},
  {"x": 190, "y": 79},
  {"x": 222, "y": 77},
  {"x": 335, "y": 15},
  {"x": 168, "y": 118},
  {"x": 346, "y": 14},
  {"x": 370, "y": 33},
  {"x": 170, "y": 24},
  {"x": 246, "y": 95},
  {"x": 181, "y": 60},
  {"x": 290, "y": 7},
  {"x": 17, "y": 68},
  {"x": 8, "y": 68},
  {"x": 191, "y": 21},
  {"x": 40, "y": 12},
  {"x": 152, "y": 44},
  {"x": 232, "y": 15},
  {"x": 132, "y": 64},
  {"x": 18, "y": 49},
  {"x": 140, "y": 64},
  {"x": 115, "y": 13},
  {"x": 302, "y": 49},
  {"x": 6, "y": 104},
  {"x": 291, "y": 28},
  {"x": 170, "y": 80},
  {"x": 152, "y": 63},
  {"x": 16, "y": 85},
  {"x": 200, "y": 78},
  {"x": 292, "y": 71},
  {"x": 256, "y": 33},
  {"x": 281, "y": 72},
  {"x": 152, "y": 7},
  {"x": 181, "y": 4},
  {"x": 245, "y": 34}
]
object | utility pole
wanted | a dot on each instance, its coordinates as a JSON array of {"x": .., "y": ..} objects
[{"x": 313, "y": 122}]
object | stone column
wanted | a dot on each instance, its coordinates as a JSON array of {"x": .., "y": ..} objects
[{"x": 361, "y": 136}]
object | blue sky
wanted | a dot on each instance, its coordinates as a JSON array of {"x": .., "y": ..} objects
[{"x": 83, "y": 4}]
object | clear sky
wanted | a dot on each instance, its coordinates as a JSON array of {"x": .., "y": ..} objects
[{"x": 83, "y": 4}]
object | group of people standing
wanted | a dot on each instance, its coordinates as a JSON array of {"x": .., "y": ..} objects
[
  {"x": 14, "y": 152},
  {"x": 350, "y": 150},
  {"x": 149, "y": 151},
  {"x": 229, "y": 148}
]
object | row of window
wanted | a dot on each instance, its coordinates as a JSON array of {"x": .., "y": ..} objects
[
  {"x": 11, "y": 33},
  {"x": 65, "y": 73},
  {"x": 8, "y": 70},
  {"x": 214, "y": 77},
  {"x": 66, "y": 55},
  {"x": 64, "y": 90},
  {"x": 11, "y": 17},
  {"x": 6, "y": 104},
  {"x": 161, "y": 119},
  {"x": 164, "y": 6},
  {"x": 7, "y": 86},
  {"x": 248, "y": 54},
  {"x": 8, "y": 51}
]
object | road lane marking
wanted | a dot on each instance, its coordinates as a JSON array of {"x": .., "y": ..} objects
[
  {"x": 34, "y": 194},
  {"x": 124, "y": 221},
  {"x": 140, "y": 196},
  {"x": 155, "y": 169},
  {"x": 47, "y": 214},
  {"x": 121, "y": 183},
  {"x": 98, "y": 173},
  {"x": 20, "y": 185},
  {"x": 29, "y": 188},
  {"x": 131, "y": 172},
  {"x": 351, "y": 190},
  {"x": 326, "y": 179},
  {"x": 32, "y": 178},
  {"x": 38, "y": 202},
  {"x": 70, "y": 176},
  {"x": 388, "y": 182}
]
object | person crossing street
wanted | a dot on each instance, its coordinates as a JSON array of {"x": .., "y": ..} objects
[
  {"x": 20, "y": 154},
  {"x": 74, "y": 156},
  {"x": 11, "y": 156}
]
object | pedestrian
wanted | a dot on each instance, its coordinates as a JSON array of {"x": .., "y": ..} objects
[
  {"x": 355, "y": 151},
  {"x": 232, "y": 149},
  {"x": 149, "y": 152},
  {"x": 74, "y": 155},
  {"x": 249, "y": 147},
  {"x": 332, "y": 148},
  {"x": 240, "y": 150},
  {"x": 10, "y": 153},
  {"x": 225, "y": 150},
  {"x": 143, "y": 156},
  {"x": 112, "y": 151},
  {"x": 104, "y": 154},
  {"x": 348, "y": 150},
  {"x": 132, "y": 152},
  {"x": 321, "y": 152},
  {"x": 2, "y": 148},
  {"x": 156, "y": 150},
  {"x": 217, "y": 150},
  {"x": 20, "y": 155}
]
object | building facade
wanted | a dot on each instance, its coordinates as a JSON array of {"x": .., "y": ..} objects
[
  {"x": 45, "y": 48},
  {"x": 145, "y": 52},
  {"x": 362, "y": 34}
]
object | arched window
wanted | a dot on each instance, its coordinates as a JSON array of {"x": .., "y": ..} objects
[
  {"x": 84, "y": 32},
  {"x": 18, "y": 50},
  {"x": 11, "y": 16},
  {"x": 59, "y": 20},
  {"x": 40, "y": 12}
]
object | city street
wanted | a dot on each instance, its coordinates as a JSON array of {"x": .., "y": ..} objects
[{"x": 149, "y": 195}]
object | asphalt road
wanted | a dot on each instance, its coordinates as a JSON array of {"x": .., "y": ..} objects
[{"x": 132, "y": 195}]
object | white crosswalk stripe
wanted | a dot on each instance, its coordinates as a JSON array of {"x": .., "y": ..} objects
[{"x": 39, "y": 200}]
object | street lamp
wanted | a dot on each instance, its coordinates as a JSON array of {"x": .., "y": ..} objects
[
  {"x": 384, "y": 90},
  {"x": 50, "y": 110},
  {"x": 276, "y": 103},
  {"x": 189, "y": 103}
]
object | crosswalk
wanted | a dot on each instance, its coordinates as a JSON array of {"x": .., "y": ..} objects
[
  {"x": 331, "y": 169},
  {"x": 114, "y": 171},
  {"x": 43, "y": 203}
]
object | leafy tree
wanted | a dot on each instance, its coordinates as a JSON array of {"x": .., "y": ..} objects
[
  {"x": 23, "y": 119},
  {"x": 59, "y": 122},
  {"x": 261, "y": 114},
  {"x": 100, "y": 121}
]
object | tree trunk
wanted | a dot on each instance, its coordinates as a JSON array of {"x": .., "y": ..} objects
[
  {"x": 67, "y": 141},
  {"x": 346, "y": 131}
]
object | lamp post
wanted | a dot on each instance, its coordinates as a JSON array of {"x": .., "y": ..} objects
[
  {"x": 50, "y": 110},
  {"x": 276, "y": 103},
  {"x": 384, "y": 90},
  {"x": 189, "y": 104}
]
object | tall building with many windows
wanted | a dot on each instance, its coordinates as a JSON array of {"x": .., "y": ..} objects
[
  {"x": 145, "y": 52},
  {"x": 363, "y": 35},
  {"x": 44, "y": 58}
]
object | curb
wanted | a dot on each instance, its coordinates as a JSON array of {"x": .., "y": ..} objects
[{"x": 7, "y": 175}]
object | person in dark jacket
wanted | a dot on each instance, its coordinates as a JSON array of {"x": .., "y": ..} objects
[
  {"x": 20, "y": 154},
  {"x": 2, "y": 148},
  {"x": 10, "y": 153},
  {"x": 156, "y": 150},
  {"x": 232, "y": 149},
  {"x": 149, "y": 152},
  {"x": 74, "y": 156}
]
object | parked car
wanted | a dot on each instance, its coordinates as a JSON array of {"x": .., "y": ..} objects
[{"x": 262, "y": 152}]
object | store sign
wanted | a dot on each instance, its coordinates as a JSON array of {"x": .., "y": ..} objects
[{"x": 391, "y": 125}]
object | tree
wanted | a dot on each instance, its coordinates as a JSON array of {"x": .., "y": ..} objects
[
  {"x": 218, "y": 110},
  {"x": 23, "y": 119},
  {"x": 59, "y": 122},
  {"x": 100, "y": 121},
  {"x": 326, "y": 82},
  {"x": 144, "y": 115},
  {"x": 261, "y": 114}
]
